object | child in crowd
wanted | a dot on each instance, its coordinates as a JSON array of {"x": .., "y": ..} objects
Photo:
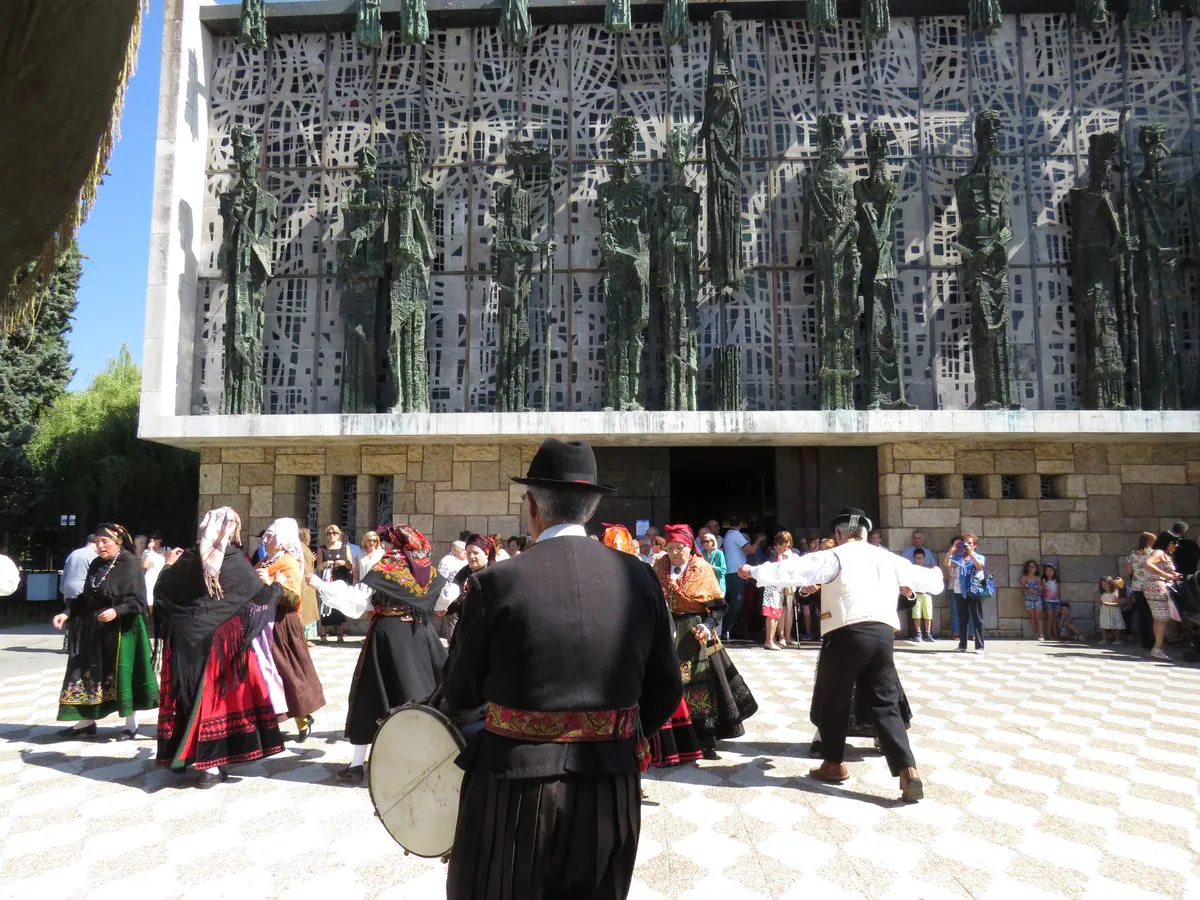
[
  {"x": 922, "y": 611},
  {"x": 1051, "y": 598},
  {"x": 1031, "y": 585},
  {"x": 1066, "y": 630},
  {"x": 1112, "y": 623}
]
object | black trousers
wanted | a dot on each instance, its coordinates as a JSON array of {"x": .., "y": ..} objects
[
  {"x": 1143, "y": 622},
  {"x": 860, "y": 654},
  {"x": 970, "y": 619},
  {"x": 573, "y": 837}
]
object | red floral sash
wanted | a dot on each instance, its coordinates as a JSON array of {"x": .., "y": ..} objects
[{"x": 566, "y": 727}]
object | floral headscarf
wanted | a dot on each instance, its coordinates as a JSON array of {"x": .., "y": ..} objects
[
  {"x": 116, "y": 533},
  {"x": 409, "y": 546},
  {"x": 287, "y": 535},
  {"x": 619, "y": 538},
  {"x": 218, "y": 529}
]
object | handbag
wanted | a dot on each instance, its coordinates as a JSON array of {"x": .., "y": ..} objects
[{"x": 982, "y": 586}]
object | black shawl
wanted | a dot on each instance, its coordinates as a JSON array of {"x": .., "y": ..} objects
[
  {"x": 398, "y": 589},
  {"x": 187, "y": 616},
  {"x": 122, "y": 588}
]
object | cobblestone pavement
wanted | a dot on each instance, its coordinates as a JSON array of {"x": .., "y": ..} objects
[{"x": 1050, "y": 770}]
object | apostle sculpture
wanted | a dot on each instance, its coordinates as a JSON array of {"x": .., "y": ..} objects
[
  {"x": 677, "y": 271},
  {"x": 1091, "y": 15},
  {"x": 362, "y": 278},
  {"x": 1098, "y": 278},
  {"x": 822, "y": 15},
  {"x": 618, "y": 16},
  {"x": 410, "y": 243},
  {"x": 249, "y": 214},
  {"x": 676, "y": 23},
  {"x": 876, "y": 198},
  {"x": 368, "y": 25},
  {"x": 625, "y": 251},
  {"x": 830, "y": 235},
  {"x": 252, "y": 24},
  {"x": 515, "y": 24},
  {"x": 722, "y": 132},
  {"x": 983, "y": 17},
  {"x": 513, "y": 254},
  {"x": 1153, "y": 212},
  {"x": 1143, "y": 13},
  {"x": 727, "y": 378},
  {"x": 984, "y": 198},
  {"x": 876, "y": 19}
]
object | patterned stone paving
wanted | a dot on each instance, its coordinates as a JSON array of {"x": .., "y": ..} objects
[{"x": 1051, "y": 771}]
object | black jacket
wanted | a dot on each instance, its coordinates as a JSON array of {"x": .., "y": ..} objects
[{"x": 570, "y": 624}]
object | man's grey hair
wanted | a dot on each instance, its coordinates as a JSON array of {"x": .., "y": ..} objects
[
  {"x": 860, "y": 532},
  {"x": 563, "y": 507}
]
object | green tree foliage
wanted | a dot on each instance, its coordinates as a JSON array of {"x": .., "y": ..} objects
[
  {"x": 35, "y": 368},
  {"x": 95, "y": 467}
]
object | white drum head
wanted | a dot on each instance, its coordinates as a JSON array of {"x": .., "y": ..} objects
[
  {"x": 413, "y": 780},
  {"x": 10, "y": 577}
]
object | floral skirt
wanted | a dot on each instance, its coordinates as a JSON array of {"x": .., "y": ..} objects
[{"x": 119, "y": 678}]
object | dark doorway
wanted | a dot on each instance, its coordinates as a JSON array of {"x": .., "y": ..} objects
[{"x": 723, "y": 482}]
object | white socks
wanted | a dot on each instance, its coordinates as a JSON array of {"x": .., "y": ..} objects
[
  {"x": 83, "y": 725},
  {"x": 360, "y": 754},
  {"x": 131, "y": 722}
]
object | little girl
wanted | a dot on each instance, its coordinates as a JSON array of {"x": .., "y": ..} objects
[
  {"x": 1066, "y": 630},
  {"x": 1051, "y": 599},
  {"x": 1112, "y": 623},
  {"x": 1031, "y": 585}
]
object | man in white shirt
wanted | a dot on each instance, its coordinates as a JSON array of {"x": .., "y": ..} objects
[
  {"x": 918, "y": 543},
  {"x": 734, "y": 546},
  {"x": 860, "y": 583},
  {"x": 75, "y": 568},
  {"x": 449, "y": 566}
]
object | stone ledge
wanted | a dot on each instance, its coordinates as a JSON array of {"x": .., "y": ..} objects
[{"x": 807, "y": 427}]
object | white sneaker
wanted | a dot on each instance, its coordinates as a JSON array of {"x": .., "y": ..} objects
[{"x": 1160, "y": 654}]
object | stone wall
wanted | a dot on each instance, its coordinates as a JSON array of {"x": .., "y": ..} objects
[
  {"x": 439, "y": 489},
  {"x": 1104, "y": 495}
]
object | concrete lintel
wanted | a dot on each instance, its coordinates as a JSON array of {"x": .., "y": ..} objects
[{"x": 806, "y": 427}]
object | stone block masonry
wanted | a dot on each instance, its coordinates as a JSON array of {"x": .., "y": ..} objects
[{"x": 1102, "y": 496}]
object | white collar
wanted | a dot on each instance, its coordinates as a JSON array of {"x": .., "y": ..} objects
[{"x": 564, "y": 529}]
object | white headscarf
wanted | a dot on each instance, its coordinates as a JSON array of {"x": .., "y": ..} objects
[
  {"x": 287, "y": 535},
  {"x": 218, "y": 529}
]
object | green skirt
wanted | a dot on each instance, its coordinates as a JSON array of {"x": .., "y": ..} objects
[{"x": 118, "y": 679}]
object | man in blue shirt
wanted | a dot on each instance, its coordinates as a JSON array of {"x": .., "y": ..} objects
[{"x": 969, "y": 567}]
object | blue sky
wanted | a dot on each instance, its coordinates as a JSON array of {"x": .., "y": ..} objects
[{"x": 116, "y": 237}]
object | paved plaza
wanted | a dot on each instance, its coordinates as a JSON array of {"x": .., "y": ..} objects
[{"x": 1051, "y": 771}]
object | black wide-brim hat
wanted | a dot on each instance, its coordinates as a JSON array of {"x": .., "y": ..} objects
[
  {"x": 564, "y": 465},
  {"x": 853, "y": 517}
]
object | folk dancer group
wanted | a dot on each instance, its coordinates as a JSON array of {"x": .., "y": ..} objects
[{"x": 571, "y": 689}]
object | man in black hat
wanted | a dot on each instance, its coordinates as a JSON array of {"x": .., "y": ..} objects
[
  {"x": 859, "y": 585},
  {"x": 567, "y": 645}
]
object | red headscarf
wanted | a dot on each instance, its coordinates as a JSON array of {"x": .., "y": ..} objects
[
  {"x": 408, "y": 545},
  {"x": 485, "y": 543},
  {"x": 679, "y": 534},
  {"x": 619, "y": 538}
]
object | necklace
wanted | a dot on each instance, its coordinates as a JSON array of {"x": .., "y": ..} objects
[{"x": 96, "y": 583}]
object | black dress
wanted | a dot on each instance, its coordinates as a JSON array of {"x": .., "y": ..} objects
[
  {"x": 402, "y": 656},
  {"x": 334, "y": 618}
]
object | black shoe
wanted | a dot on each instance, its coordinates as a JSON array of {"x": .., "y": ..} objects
[
  {"x": 710, "y": 753},
  {"x": 815, "y": 750},
  {"x": 352, "y": 773},
  {"x": 303, "y": 733},
  {"x": 210, "y": 778},
  {"x": 127, "y": 734},
  {"x": 89, "y": 731}
]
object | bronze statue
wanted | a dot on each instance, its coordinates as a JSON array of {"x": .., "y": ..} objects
[
  {"x": 1155, "y": 281},
  {"x": 252, "y": 24},
  {"x": 414, "y": 22},
  {"x": 625, "y": 250},
  {"x": 515, "y": 24},
  {"x": 362, "y": 274},
  {"x": 249, "y": 214},
  {"x": 677, "y": 271},
  {"x": 876, "y": 198},
  {"x": 876, "y": 19},
  {"x": 676, "y": 24},
  {"x": 368, "y": 27},
  {"x": 1091, "y": 15},
  {"x": 1098, "y": 276},
  {"x": 984, "y": 198},
  {"x": 1144, "y": 13},
  {"x": 618, "y": 16},
  {"x": 722, "y": 132},
  {"x": 822, "y": 15},
  {"x": 513, "y": 258},
  {"x": 727, "y": 378},
  {"x": 983, "y": 17},
  {"x": 411, "y": 242},
  {"x": 830, "y": 234}
]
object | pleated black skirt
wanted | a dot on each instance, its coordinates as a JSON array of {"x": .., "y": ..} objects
[{"x": 573, "y": 837}]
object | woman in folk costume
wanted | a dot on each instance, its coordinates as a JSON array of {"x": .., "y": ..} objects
[
  {"x": 402, "y": 657},
  {"x": 715, "y": 693},
  {"x": 283, "y": 566},
  {"x": 676, "y": 742},
  {"x": 482, "y": 551},
  {"x": 110, "y": 668},
  {"x": 216, "y": 702}
]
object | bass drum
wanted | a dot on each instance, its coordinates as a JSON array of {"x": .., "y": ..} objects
[{"x": 413, "y": 780}]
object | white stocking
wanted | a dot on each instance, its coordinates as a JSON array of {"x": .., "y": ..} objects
[
  {"x": 360, "y": 754},
  {"x": 131, "y": 722}
]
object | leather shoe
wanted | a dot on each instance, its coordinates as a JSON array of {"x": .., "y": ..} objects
[
  {"x": 830, "y": 773},
  {"x": 303, "y": 733},
  {"x": 911, "y": 787},
  {"x": 127, "y": 734},
  {"x": 352, "y": 773},
  {"x": 211, "y": 778},
  {"x": 90, "y": 731},
  {"x": 709, "y": 753}
]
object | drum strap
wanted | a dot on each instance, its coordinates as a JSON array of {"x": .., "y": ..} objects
[{"x": 563, "y": 727}]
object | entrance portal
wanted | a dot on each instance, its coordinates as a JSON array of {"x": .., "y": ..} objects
[{"x": 723, "y": 482}]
